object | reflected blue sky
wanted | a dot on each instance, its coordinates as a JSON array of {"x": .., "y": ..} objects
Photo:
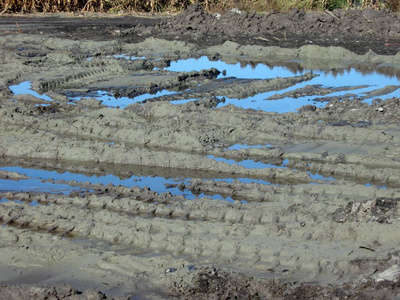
[
  {"x": 259, "y": 71},
  {"x": 247, "y": 163},
  {"x": 317, "y": 176},
  {"x": 245, "y": 146},
  {"x": 111, "y": 101},
  {"x": 155, "y": 183},
  {"x": 350, "y": 77},
  {"x": 26, "y": 88},
  {"x": 251, "y": 164}
]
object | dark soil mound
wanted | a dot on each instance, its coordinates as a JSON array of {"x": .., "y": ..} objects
[
  {"x": 212, "y": 284},
  {"x": 357, "y": 30}
]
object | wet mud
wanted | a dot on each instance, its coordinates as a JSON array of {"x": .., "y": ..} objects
[{"x": 137, "y": 166}]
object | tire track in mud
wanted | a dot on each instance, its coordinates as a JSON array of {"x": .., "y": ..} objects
[
  {"x": 167, "y": 236},
  {"x": 241, "y": 244},
  {"x": 286, "y": 221},
  {"x": 128, "y": 127}
]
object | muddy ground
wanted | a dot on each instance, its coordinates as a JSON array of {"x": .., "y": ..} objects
[{"x": 318, "y": 220}]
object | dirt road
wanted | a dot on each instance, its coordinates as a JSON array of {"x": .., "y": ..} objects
[{"x": 267, "y": 168}]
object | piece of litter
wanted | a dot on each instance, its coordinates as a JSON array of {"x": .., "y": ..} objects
[{"x": 170, "y": 270}]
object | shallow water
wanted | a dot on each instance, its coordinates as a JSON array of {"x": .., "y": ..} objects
[
  {"x": 247, "y": 163},
  {"x": 25, "y": 87},
  {"x": 38, "y": 181},
  {"x": 252, "y": 164},
  {"x": 260, "y": 71},
  {"x": 122, "y": 102},
  {"x": 317, "y": 176},
  {"x": 245, "y": 146},
  {"x": 352, "y": 77},
  {"x": 31, "y": 203},
  {"x": 35, "y": 184},
  {"x": 346, "y": 78}
]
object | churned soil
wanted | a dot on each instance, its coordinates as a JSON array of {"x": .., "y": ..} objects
[
  {"x": 356, "y": 30},
  {"x": 319, "y": 220}
]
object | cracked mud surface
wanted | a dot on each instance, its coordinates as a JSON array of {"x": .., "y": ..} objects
[{"x": 154, "y": 198}]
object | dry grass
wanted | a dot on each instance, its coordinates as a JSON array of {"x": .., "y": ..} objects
[{"x": 27, "y": 6}]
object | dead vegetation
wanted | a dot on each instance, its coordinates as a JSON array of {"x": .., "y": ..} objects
[{"x": 29, "y": 6}]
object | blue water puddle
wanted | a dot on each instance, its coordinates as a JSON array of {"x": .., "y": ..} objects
[
  {"x": 155, "y": 183},
  {"x": 244, "y": 146},
  {"x": 258, "y": 102},
  {"x": 130, "y": 57},
  {"x": 31, "y": 203},
  {"x": 251, "y": 164},
  {"x": 247, "y": 163},
  {"x": 25, "y": 87},
  {"x": 183, "y": 101},
  {"x": 317, "y": 176},
  {"x": 260, "y": 71},
  {"x": 288, "y": 104},
  {"x": 245, "y": 180},
  {"x": 378, "y": 186},
  {"x": 36, "y": 185},
  {"x": 107, "y": 99},
  {"x": 374, "y": 81},
  {"x": 350, "y": 77}
]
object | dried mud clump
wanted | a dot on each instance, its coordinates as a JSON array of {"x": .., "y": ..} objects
[
  {"x": 214, "y": 284},
  {"x": 380, "y": 210}
]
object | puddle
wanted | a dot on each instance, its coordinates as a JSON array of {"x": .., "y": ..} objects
[
  {"x": 109, "y": 100},
  {"x": 317, "y": 176},
  {"x": 26, "y": 88},
  {"x": 332, "y": 79},
  {"x": 37, "y": 182},
  {"x": 289, "y": 104},
  {"x": 369, "y": 85},
  {"x": 260, "y": 71},
  {"x": 244, "y": 146},
  {"x": 247, "y": 163},
  {"x": 378, "y": 186},
  {"x": 182, "y": 101},
  {"x": 130, "y": 57},
  {"x": 246, "y": 180},
  {"x": 374, "y": 81},
  {"x": 251, "y": 164},
  {"x": 31, "y": 203}
]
